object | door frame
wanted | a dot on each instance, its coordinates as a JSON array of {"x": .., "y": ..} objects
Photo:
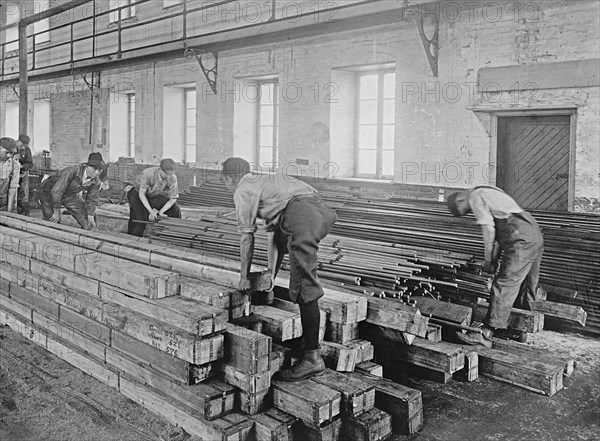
[{"x": 493, "y": 157}]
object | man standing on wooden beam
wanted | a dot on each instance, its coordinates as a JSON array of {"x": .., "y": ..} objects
[
  {"x": 297, "y": 220},
  {"x": 508, "y": 229}
]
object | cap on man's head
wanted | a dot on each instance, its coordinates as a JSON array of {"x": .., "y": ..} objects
[
  {"x": 167, "y": 165},
  {"x": 235, "y": 167},
  {"x": 95, "y": 160},
  {"x": 25, "y": 140},
  {"x": 9, "y": 144},
  {"x": 452, "y": 205}
]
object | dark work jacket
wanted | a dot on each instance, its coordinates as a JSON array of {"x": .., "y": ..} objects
[
  {"x": 68, "y": 183},
  {"x": 26, "y": 159}
]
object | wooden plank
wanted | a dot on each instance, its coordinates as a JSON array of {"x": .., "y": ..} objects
[
  {"x": 34, "y": 301},
  {"x": 70, "y": 335},
  {"x": 338, "y": 357},
  {"x": 364, "y": 348},
  {"x": 471, "y": 370},
  {"x": 82, "y": 361},
  {"x": 519, "y": 319},
  {"x": 313, "y": 403},
  {"x": 249, "y": 383},
  {"x": 173, "y": 341},
  {"x": 216, "y": 295},
  {"x": 554, "y": 75},
  {"x": 440, "y": 356},
  {"x": 19, "y": 261},
  {"x": 177, "y": 369},
  {"x": 201, "y": 399},
  {"x": 246, "y": 350},
  {"x": 279, "y": 324},
  {"x": 13, "y": 307},
  {"x": 24, "y": 327},
  {"x": 562, "y": 311},
  {"x": 373, "y": 425},
  {"x": 85, "y": 325},
  {"x": 342, "y": 307},
  {"x": 357, "y": 396},
  {"x": 341, "y": 333},
  {"x": 274, "y": 425},
  {"x": 149, "y": 282},
  {"x": 446, "y": 311},
  {"x": 327, "y": 432},
  {"x": 65, "y": 278},
  {"x": 252, "y": 404},
  {"x": 395, "y": 315},
  {"x": 84, "y": 304},
  {"x": 416, "y": 371},
  {"x": 177, "y": 311},
  {"x": 404, "y": 404},
  {"x": 9, "y": 273},
  {"x": 556, "y": 357},
  {"x": 368, "y": 367},
  {"x": 221, "y": 429},
  {"x": 521, "y": 370}
]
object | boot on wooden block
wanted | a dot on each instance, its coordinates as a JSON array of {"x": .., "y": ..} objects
[{"x": 311, "y": 364}]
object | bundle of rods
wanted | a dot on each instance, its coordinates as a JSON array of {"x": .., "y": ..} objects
[{"x": 409, "y": 246}]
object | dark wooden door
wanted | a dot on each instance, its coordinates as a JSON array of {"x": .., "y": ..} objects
[{"x": 533, "y": 160}]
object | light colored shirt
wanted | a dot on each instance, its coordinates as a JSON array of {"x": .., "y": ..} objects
[
  {"x": 157, "y": 182},
  {"x": 265, "y": 197},
  {"x": 489, "y": 203},
  {"x": 10, "y": 168}
]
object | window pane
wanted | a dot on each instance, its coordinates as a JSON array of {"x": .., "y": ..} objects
[
  {"x": 266, "y": 136},
  {"x": 367, "y": 137},
  {"x": 368, "y": 112},
  {"x": 266, "y": 93},
  {"x": 387, "y": 165},
  {"x": 190, "y": 153},
  {"x": 388, "y": 137},
  {"x": 190, "y": 135},
  {"x": 389, "y": 85},
  {"x": 266, "y": 157},
  {"x": 190, "y": 117},
  {"x": 388, "y": 111},
  {"x": 266, "y": 114},
  {"x": 368, "y": 87},
  {"x": 367, "y": 162},
  {"x": 190, "y": 96}
]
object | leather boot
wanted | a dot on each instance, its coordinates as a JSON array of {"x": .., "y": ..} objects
[{"x": 311, "y": 364}]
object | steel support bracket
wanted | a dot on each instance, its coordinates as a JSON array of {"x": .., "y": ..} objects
[
  {"x": 207, "y": 64},
  {"x": 431, "y": 45}
]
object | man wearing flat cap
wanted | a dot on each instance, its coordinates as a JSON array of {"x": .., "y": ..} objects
[
  {"x": 297, "y": 220},
  {"x": 154, "y": 194},
  {"x": 513, "y": 234},
  {"x": 64, "y": 189},
  {"x": 9, "y": 174}
]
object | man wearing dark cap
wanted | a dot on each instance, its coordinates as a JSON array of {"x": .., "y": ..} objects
[
  {"x": 297, "y": 220},
  {"x": 64, "y": 189},
  {"x": 9, "y": 174},
  {"x": 154, "y": 195},
  {"x": 26, "y": 161},
  {"x": 508, "y": 229}
]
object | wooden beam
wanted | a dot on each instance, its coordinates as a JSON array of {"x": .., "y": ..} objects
[{"x": 357, "y": 396}]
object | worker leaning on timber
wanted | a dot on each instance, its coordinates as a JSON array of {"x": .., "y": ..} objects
[
  {"x": 9, "y": 174},
  {"x": 26, "y": 161},
  {"x": 513, "y": 234},
  {"x": 76, "y": 188},
  {"x": 154, "y": 194},
  {"x": 297, "y": 220}
]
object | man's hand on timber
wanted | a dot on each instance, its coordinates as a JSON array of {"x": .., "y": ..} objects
[
  {"x": 153, "y": 215},
  {"x": 55, "y": 216},
  {"x": 244, "y": 284},
  {"x": 488, "y": 267}
]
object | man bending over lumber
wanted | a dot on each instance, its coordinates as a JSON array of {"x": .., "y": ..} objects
[
  {"x": 297, "y": 220},
  {"x": 509, "y": 229}
]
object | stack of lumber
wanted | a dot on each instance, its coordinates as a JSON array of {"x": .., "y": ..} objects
[{"x": 441, "y": 250}]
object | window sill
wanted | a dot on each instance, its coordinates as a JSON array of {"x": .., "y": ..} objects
[{"x": 124, "y": 21}]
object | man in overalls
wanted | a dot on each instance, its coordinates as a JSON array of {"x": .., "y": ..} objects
[
  {"x": 9, "y": 174},
  {"x": 297, "y": 220},
  {"x": 521, "y": 242}
]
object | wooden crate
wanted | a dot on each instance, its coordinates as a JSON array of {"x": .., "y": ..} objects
[
  {"x": 327, "y": 432},
  {"x": 357, "y": 396},
  {"x": 274, "y": 425},
  {"x": 373, "y": 425},
  {"x": 313, "y": 403},
  {"x": 246, "y": 350}
]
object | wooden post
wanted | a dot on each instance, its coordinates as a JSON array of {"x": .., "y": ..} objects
[{"x": 23, "y": 81}]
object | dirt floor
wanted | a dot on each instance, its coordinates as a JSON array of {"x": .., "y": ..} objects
[{"x": 44, "y": 398}]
